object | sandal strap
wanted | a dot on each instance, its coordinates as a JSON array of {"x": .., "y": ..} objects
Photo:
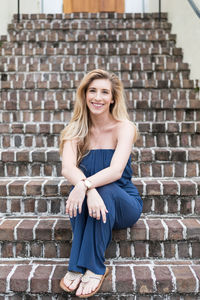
[
  {"x": 73, "y": 275},
  {"x": 90, "y": 275}
]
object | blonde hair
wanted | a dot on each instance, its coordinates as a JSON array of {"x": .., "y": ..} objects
[{"x": 78, "y": 127}]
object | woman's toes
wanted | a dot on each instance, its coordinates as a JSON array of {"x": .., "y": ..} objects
[{"x": 79, "y": 290}]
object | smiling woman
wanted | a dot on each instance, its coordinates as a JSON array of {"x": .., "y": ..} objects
[{"x": 95, "y": 148}]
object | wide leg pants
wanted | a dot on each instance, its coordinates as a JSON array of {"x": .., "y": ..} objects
[{"x": 91, "y": 237}]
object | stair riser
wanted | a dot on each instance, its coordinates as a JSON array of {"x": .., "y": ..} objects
[
  {"x": 136, "y": 63},
  {"x": 20, "y": 81},
  {"x": 144, "y": 169},
  {"x": 146, "y": 140},
  {"x": 137, "y": 98},
  {"x": 34, "y": 116},
  {"x": 62, "y": 48},
  {"x": 125, "y": 249},
  {"x": 57, "y": 113},
  {"x": 88, "y": 24},
  {"x": 143, "y": 281},
  {"x": 137, "y": 84},
  {"x": 153, "y": 205},
  {"x": 95, "y": 36}
]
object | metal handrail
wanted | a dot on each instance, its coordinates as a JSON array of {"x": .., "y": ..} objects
[
  {"x": 195, "y": 8},
  {"x": 159, "y": 10},
  {"x": 18, "y": 11}
]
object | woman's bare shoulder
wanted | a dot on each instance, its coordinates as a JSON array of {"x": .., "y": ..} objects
[{"x": 125, "y": 125}]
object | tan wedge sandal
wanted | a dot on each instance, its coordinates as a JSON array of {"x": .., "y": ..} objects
[
  {"x": 90, "y": 275},
  {"x": 70, "y": 276}
]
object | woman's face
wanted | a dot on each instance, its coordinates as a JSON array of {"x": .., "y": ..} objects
[{"x": 99, "y": 96}]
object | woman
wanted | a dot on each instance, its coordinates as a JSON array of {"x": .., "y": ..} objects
[{"x": 95, "y": 148}]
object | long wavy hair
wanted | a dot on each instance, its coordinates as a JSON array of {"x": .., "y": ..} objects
[{"x": 79, "y": 125}]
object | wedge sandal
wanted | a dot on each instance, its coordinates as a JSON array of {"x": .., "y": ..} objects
[
  {"x": 90, "y": 275},
  {"x": 70, "y": 276}
]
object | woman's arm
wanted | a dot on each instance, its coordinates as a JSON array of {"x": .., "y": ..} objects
[
  {"x": 69, "y": 160},
  {"x": 125, "y": 135},
  {"x": 75, "y": 176}
]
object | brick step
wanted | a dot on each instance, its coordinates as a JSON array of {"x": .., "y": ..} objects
[
  {"x": 101, "y": 49},
  {"x": 58, "y": 81},
  {"x": 84, "y": 15},
  {"x": 84, "y": 36},
  {"x": 147, "y": 139},
  {"x": 70, "y": 84},
  {"x": 91, "y": 32},
  {"x": 156, "y": 162},
  {"x": 56, "y": 100},
  {"x": 143, "y": 279},
  {"x": 57, "y": 66},
  {"x": 149, "y": 238},
  {"x": 47, "y": 195},
  {"x": 89, "y": 24},
  {"x": 145, "y": 62}
]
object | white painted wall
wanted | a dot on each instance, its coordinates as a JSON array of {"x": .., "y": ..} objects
[
  {"x": 186, "y": 25},
  {"x": 51, "y": 6},
  {"x": 136, "y": 6},
  {"x": 9, "y": 7}
]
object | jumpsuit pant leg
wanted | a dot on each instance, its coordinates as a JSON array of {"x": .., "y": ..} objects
[{"x": 91, "y": 236}]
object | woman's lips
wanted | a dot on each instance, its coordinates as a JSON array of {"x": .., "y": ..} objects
[{"x": 97, "y": 105}]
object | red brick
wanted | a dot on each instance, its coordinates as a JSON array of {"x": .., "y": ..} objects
[
  {"x": 187, "y": 188},
  {"x": 40, "y": 279},
  {"x": 58, "y": 274},
  {"x": 44, "y": 230},
  {"x": 138, "y": 231},
  {"x": 193, "y": 228},
  {"x": 19, "y": 280},
  {"x": 124, "y": 280},
  {"x": 175, "y": 230},
  {"x": 7, "y": 156},
  {"x": 144, "y": 281},
  {"x": 16, "y": 188},
  {"x": 7, "y": 230},
  {"x": 62, "y": 230},
  {"x": 4, "y": 271},
  {"x": 34, "y": 187},
  {"x": 25, "y": 230},
  {"x": 152, "y": 187},
  {"x": 3, "y": 191},
  {"x": 185, "y": 280},
  {"x": 51, "y": 188},
  {"x": 156, "y": 230},
  {"x": 163, "y": 280}
]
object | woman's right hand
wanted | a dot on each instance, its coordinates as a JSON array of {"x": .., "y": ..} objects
[
  {"x": 75, "y": 199},
  {"x": 96, "y": 206}
]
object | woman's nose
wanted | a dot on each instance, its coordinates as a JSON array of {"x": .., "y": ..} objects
[{"x": 98, "y": 96}]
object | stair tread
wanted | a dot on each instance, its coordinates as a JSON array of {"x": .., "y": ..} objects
[
  {"x": 145, "y": 277},
  {"x": 57, "y": 228}
]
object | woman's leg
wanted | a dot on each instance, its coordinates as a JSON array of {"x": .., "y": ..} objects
[
  {"x": 91, "y": 236},
  {"x": 97, "y": 236},
  {"x": 78, "y": 227}
]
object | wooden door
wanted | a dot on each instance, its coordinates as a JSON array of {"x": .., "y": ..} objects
[{"x": 94, "y": 6}]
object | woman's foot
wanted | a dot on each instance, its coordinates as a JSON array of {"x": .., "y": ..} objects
[
  {"x": 90, "y": 284},
  {"x": 70, "y": 281}
]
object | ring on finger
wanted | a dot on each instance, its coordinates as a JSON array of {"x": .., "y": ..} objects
[{"x": 75, "y": 206}]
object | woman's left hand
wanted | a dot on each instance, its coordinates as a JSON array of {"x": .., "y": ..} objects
[{"x": 96, "y": 205}]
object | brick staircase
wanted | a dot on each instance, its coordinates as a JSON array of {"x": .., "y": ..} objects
[{"x": 42, "y": 61}]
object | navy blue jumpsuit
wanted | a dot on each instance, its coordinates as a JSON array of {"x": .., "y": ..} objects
[{"x": 122, "y": 200}]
